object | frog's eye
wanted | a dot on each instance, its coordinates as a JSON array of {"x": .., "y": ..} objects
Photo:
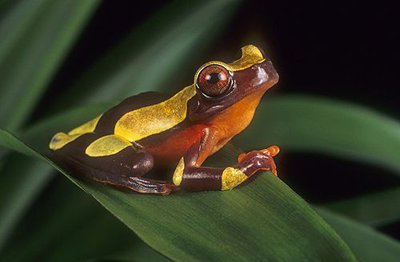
[{"x": 214, "y": 80}]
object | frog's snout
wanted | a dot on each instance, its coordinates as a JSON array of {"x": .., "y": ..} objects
[
  {"x": 267, "y": 68},
  {"x": 265, "y": 75}
]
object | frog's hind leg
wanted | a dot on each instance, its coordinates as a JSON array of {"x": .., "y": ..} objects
[
  {"x": 89, "y": 156},
  {"x": 137, "y": 184}
]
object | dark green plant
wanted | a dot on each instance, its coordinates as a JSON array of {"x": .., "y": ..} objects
[{"x": 262, "y": 220}]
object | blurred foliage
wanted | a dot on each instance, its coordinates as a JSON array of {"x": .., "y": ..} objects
[{"x": 46, "y": 218}]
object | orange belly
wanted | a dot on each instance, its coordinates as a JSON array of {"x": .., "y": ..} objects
[{"x": 168, "y": 152}]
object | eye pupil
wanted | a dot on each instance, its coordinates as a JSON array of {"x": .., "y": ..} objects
[{"x": 214, "y": 78}]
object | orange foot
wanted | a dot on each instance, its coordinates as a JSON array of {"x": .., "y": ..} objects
[{"x": 270, "y": 152}]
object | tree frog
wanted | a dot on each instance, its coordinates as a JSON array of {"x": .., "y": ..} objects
[{"x": 149, "y": 132}]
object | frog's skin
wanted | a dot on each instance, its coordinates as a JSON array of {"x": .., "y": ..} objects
[{"x": 152, "y": 131}]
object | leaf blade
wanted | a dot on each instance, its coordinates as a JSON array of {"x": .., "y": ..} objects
[
  {"x": 306, "y": 123},
  {"x": 372, "y": 209},
  {"x": 22, "y": 186},
  {"x": 123, "y": 63},
  {"x": 12, "y": 202},
  {"x": 366, "y": 243},
  {"x": 98, "y": 233},
  {"x": 44, "y": 32},
  {"x": 185, "y": 216}
]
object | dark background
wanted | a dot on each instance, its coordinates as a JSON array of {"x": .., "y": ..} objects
[{"x": 346, "y": 50}]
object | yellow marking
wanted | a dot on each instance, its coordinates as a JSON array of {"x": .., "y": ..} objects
[
  {"x": 251, "y": 55},
  {"x": 106, "y": 145},
  {"x": 88, "y": 127},
  {"x": 231, "y": 177},
  {"x": 178, "y": 174},
  {"x": 154, "y": 119},
  {"x": 59, "y": 140}
]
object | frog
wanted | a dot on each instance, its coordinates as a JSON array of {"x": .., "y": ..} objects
[{"x": 151, "y": 132}]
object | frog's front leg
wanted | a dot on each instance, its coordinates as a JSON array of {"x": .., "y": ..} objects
[{"x": 190, "y": 175}]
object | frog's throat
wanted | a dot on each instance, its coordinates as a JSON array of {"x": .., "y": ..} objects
[{"x": 251, "y": 55}]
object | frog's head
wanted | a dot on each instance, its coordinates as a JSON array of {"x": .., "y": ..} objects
[{"x": 219, "y": 85}]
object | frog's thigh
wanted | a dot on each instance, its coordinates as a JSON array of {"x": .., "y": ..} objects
[
  {"x": 108, "y": 145},
  {"x": 92, "y": 155},
  {"x": 124, "y": 168},
  {"x": 119, "y": 156}
]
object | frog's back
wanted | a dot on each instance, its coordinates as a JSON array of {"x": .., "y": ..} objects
[
  {"x": 108, "y": 120},
  {"x": 149, "y": 119},
  {"x": 104, "y": 124},
  {"x": 135, "y": 118}
]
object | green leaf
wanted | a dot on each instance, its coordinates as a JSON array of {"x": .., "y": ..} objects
[
  {"x": 78, "y": 219},
  {"x": 139, "y": 253},
  {"x": 366, "y": 243},
  {"x": 39, "y": 34},
  {"x": 262, "y": 220},
  {"x": 15, "y": 196},
  {"x": 39, "y": 135},
  {"x": 157, "y": 54},
  {"x": 375, "y": 209},
  {"x": 23, "y": 182},
  {"x": 173, "y": 49},
  {"x": 304, "y": 123},
  {"x": 96, "y": 231}
]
